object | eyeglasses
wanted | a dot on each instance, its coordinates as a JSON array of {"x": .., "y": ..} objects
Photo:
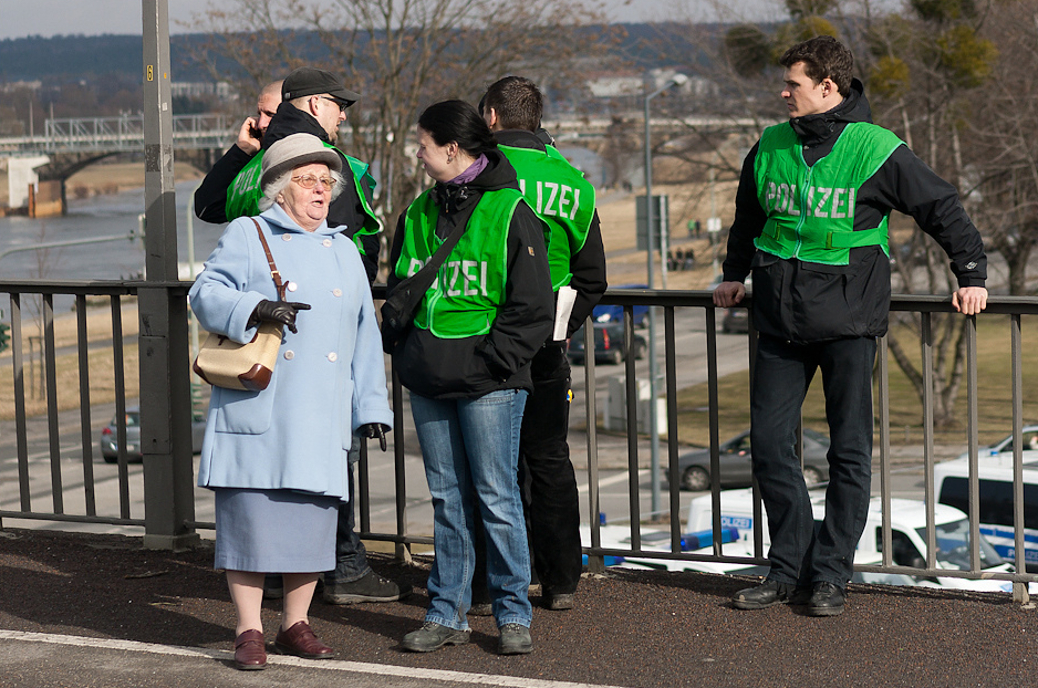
[
  {"x": 308, "y": 181},
  {"x": 341, "y": 103}
]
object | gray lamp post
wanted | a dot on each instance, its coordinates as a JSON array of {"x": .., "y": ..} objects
[{"x": 676, "y": 80}]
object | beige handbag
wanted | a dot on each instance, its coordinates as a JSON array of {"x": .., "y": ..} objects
[{"x": 223, "y": 362}]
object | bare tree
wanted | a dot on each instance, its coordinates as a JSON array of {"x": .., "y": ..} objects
[
  {"x": 620, "y": 150},
  {"x": 925, "y": 67},
  {"x": 929, "y": 66},
  {"x": 1003, "y": 128},
  {"x": 402, "y": 55}
]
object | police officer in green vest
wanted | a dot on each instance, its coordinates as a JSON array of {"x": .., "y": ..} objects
[
  {"x": 810, "y": 223},
  {"x": 211, "y": 194},
  {"x": 466, "y": 362},
  {"x": 565, "y": 201},
  {"x": 314, "y": 102}
]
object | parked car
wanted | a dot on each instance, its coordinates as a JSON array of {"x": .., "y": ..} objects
[
  {"x": 1004, "y": 447},
  {"x": 736, "y": 321},
  {"x": 110, "y": 434},
  {"x": 737, "y": 467},
  {"x": 615, "y": 314},
  {"x": 609, "y": 343}
]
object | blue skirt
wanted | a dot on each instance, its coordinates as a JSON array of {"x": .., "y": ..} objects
[{"x": 275, "y": 531}]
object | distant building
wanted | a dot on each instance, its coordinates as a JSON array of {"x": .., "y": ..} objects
[
  {"x": 635, "y": 84},
  {"x": 696, "y": 86},
  {"x": 196, "y": 89},
  {"x": 12, "y": 86},
  {"x": 615, "y": 84}
]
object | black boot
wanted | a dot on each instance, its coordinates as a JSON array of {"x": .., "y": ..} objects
[
  {"x": 765, "y": 595},
  {"x": 826, "y": 599}
]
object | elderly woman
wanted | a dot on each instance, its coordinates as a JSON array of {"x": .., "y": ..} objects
[
  {"x": 466, "y": 362},
  {"x": 276, "y": 459}
]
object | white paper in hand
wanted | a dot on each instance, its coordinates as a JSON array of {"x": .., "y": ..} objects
[{"x": 563, "y": 309}]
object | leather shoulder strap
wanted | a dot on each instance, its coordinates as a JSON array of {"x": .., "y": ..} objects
[{"x": 270, "y": 261}]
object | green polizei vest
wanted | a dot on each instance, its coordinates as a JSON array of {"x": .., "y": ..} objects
[
  {"x": 811, "y": 208},
  {"x": 561, "y": 197},
  {"x": 244, "y": 194},
  {"x": 469, "y": 289}
]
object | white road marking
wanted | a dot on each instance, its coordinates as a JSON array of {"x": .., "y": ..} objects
[{"x": 326, "y": 665}]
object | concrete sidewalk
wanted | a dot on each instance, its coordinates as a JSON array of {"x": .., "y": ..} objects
[{"x": 48, "y": 660}]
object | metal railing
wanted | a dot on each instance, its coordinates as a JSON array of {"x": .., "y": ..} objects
[
  {"x": 671, "y": 302},
  {"x": 39, "y": 297}
]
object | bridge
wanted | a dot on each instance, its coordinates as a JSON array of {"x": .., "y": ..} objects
[
  {"x": 38, "y": 166},
  {"x": 94, "y": 135}
]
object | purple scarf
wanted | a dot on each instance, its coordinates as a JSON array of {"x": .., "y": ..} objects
[{"x": 472, "y": 172}]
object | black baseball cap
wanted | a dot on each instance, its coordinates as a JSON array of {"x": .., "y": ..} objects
[{"x": 308, "y": 81}]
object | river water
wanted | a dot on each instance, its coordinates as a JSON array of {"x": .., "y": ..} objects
[{"x": 99, "y": 216}]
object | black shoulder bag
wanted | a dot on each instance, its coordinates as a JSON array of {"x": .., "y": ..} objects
[{"x": 399, "y": 308}]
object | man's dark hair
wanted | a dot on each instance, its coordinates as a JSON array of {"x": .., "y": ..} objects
[
  {"x": 823, "y": 56},
  {"x": 458, "y": 121},
  {"x": 517, "y": 101}
]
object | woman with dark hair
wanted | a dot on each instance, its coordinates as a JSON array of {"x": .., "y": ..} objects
[{"x": 466, "y": 362}]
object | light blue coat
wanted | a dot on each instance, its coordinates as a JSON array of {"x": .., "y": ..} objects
[{"x": 330, "y": 377}]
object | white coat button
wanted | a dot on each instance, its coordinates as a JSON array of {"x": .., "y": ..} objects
[
  {"x": 336, "y": 292},
  {"x": 286, "y": 237},
  {"x": 333, "y": 357},
  {"x": 291, "y": 286},
  {"x": 327, "y": 243},
  {"x": 289, "y": 355}
]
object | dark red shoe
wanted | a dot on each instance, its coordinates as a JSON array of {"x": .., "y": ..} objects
[
  {"x": 250, "y": 654},
  {"x": 301, "y": 642}
]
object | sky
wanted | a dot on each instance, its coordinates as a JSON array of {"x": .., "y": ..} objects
[{"x": 20, "y": 18}]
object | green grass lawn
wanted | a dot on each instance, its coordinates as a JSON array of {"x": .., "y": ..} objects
[{"x": 994, "y": 391}]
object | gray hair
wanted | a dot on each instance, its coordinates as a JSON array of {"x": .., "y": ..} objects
[{"x": 273, "y": 189}]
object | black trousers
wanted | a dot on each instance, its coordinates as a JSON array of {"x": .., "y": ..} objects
[
  {"x": 351, "y": 559},
  {"x": 547, "y": 481},
  {"x": 800, "y": 553}
]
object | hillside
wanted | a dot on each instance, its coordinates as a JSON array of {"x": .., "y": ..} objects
[{"x": 69, "y": 58}]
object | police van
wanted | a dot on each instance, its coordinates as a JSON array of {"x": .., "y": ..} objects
[{"x": 995, "y": 478}]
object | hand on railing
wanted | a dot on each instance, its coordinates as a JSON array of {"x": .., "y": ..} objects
[{"x": 970, "y": 300}]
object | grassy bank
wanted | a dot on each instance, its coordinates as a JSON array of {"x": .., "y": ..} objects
[
  {"x": 100, "y": 361},
  {"x": 994, "y": 390}
]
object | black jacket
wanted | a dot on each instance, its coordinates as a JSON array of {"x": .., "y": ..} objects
[
  {"x": 211, "y": 195},
  {"x": 346, "y": 209},
  {"x": 588, "y": 265},
  {"x": 805, "y": 302},
  {"x": 471, "y": 367}
]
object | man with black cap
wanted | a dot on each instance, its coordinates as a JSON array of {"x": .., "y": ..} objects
[
  {"x": 211, "y": 195},
  {"x": 315, "y": 102}
]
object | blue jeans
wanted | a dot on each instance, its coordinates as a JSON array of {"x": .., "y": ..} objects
[
  {"x": 800, "y": 553},
  {"x": 471, "y": 450},
  {"x": 547, "y": 482}
]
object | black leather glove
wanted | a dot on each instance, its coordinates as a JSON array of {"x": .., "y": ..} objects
[
  {"x": 283, "y": 312},
  {"x": 375, "y": 430}
]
